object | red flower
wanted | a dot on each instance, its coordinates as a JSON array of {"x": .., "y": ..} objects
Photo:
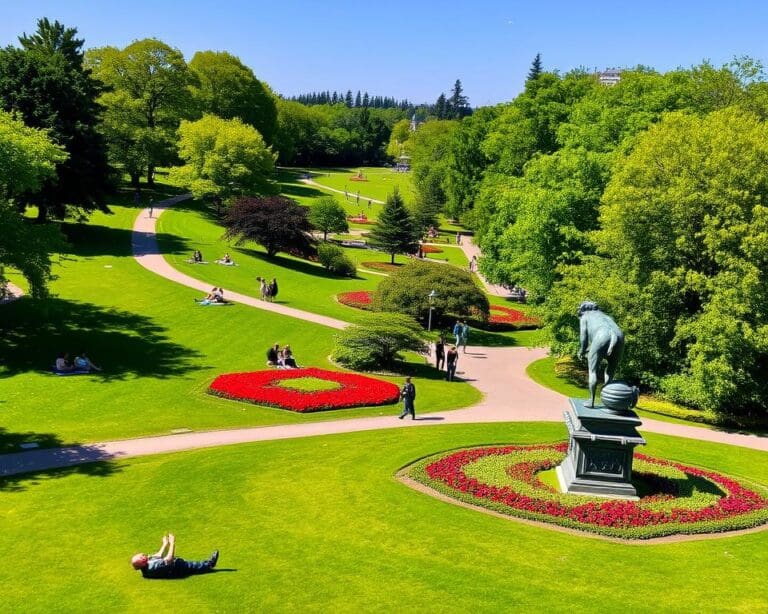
[
  {"x": 360, "y": 299},
  {"x": 262, "y": 387},
  {"x": 505, "y": 315}
]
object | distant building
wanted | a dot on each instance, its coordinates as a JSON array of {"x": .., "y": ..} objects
[
  {"x": 414, "y": 123},
  {"x": 609, "y": 77}
]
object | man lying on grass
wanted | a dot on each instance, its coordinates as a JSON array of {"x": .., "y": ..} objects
[{"x": 164, "y": 565}]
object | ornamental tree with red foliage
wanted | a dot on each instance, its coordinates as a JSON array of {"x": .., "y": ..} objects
[{"x": 276, "y": 223}]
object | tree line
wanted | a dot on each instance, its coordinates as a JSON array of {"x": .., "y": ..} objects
[
  {"x": 647, "y": 197},
  {"x": 364, "y": 100}
]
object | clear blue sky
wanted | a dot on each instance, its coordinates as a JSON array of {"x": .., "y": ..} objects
[{"x": 416, "y": 50}]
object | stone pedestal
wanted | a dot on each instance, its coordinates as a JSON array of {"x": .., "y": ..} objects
[{"x": 600, "y": 449}]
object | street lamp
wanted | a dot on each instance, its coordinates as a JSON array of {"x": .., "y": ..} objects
[{"x": 431, "y": 296}]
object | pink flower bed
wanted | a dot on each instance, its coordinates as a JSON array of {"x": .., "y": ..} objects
[
  {"x": 263, "y": 388},
  {"x": 360, "y": 299},
  {"x": 666, "y": 510}
]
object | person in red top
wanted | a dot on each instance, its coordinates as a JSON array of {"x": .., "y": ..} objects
[{"x": 165, "y": 565}]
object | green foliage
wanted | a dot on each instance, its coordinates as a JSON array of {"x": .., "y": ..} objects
[
  {"x": 225, "y": 87},
  {"x": 536, "y": 68},
  {"x": 407, "y": 291},
  {"x": 46, "y": 84},
  {"x": 328, "y": 215},
  {"x": 147, "y": 96},
  {"x": 395, "y": 231},
  {"x": 377, "y": 342},
  {"x": 223, "y": 158},
  {"x": 398, "y": 139},
  {"x": 333, "y": 258},
  {"x": 274, "y": 222},
  {"x": 430, "y": 146}
]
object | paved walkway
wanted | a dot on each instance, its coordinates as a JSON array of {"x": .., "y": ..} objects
[
  {"x": 499, "y": 373},
  {"x": 15, "y": 292},
  {"x": 347, "y": 194}
]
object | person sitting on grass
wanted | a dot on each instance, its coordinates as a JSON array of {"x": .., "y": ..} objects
[
  {"x": 197, "y": 257},
  {"x": 214, "y": 296},
  {"x": 226, "y": 260},
  {"x": 83, "y": 363},
  {"x": 273, "y": 356},
  {"x": 288, "y": 360},
  {"x": 62, "y": 363},
  {"x": 165, "y": 565}
]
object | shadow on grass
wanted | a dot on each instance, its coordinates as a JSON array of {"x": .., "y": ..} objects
[
  {"x": 301, "y": 190},
  {"x": 121, "y": 342},
  {"x": 60, "y": 461},
  {"x": 299, "y": 266},
  {"x": 88, "y": 240}
]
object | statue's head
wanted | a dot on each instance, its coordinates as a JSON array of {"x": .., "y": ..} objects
[{"x": 587, "y": 306}]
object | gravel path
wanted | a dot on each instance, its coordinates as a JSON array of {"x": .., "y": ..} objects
[{"x": 509, "y": 395}]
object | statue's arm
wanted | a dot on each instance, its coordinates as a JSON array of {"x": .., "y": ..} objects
[{"x": 583, "y": 336}]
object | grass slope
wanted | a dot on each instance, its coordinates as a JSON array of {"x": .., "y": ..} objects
[{"x": 322, "y": 524}]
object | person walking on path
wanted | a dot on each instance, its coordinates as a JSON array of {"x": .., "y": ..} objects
[
  {"x": 273, "y": 288},
  {"x": 464, "y": 336},
  {"x": 458, "y": 238},
  {"x": 450, "y": 363},
  {"x": 408, "y": 394},
  {"x": 151, "y": 208},
  {"x": 439, "y": 353},
  {"x": 165, "y": 565},
  {"x": 457, "y": 331}
]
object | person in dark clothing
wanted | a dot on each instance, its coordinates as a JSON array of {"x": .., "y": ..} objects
[
  {"x": 273, "y": 289},
  {"x": 273, "y": 356},
  {"x": 439, "y": 353},
  {"x": 408, "y": 394},
  {"x": 450, "y": 361},
  {"x": 165, "y": 565}
]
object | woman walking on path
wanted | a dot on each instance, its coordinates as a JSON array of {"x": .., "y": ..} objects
[
  {"x": 450, "y": 360},
  {"x": 464, "y": 336},
  {"x": 439, "y": 353},
  {"x": 273, "y": 289}
]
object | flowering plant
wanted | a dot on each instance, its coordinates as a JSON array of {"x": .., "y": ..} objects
[
  {"x": 676, "y": 498},
  {"x": 431, "y": 249},
  {"x": 264, "y": 388},
  {"x": 360, "y": 299},
  {"x": 506, "y": 315}
]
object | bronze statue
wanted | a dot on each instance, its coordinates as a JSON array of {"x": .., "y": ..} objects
[{"x": 605, "y": 340}]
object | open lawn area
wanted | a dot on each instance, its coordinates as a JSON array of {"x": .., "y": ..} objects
[{"x": 328, "y": 510}]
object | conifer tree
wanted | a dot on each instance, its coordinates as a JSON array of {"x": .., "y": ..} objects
[
  {"x": 358, "y": 100},
  {"x": 348, "y": 98},
  {"x": 536, "y": 69},
  {"x": 395, "y": 232}
]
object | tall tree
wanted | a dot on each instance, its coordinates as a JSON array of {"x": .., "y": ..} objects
[
  {"x": 429, "y": 149},
  {"x": 47, "y": 85},
  {"x": 441, "y": 107},
  {"x": 458, "y": 103},
  {"x": 536, "y": 68},
  {"x": 147, "y": 98},
  {"x": 223, "y": 158},
  {"x": 225, "y": 87},
  {"x": 395, "y": 232},
  {"x": 348, "y": 99},
  {"x": 327, "y": 215},
  {"x": 358, "y": 100}
]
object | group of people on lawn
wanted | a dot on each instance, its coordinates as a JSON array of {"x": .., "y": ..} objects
[
  {"x": 81, "y": 364},
  {"x": 281, "y": 358}
]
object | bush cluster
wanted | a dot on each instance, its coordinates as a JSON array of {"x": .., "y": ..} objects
[{"x": 333, "y": 258}]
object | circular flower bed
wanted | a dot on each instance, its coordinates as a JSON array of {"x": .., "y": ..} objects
[
  {"x": 506, "y": 315},
  {"x": 273, "y": 388},
  {"x": 674, "y": 498},
  {"x": 360, "y": 299}
]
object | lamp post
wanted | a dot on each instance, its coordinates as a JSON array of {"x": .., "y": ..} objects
[{"x": 431, "y": 296}]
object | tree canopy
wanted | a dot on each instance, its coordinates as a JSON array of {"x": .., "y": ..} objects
[{"x": 327, "y": 215}]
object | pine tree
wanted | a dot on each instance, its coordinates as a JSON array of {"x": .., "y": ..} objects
[
  {"x": 535, "y": 68},
  {"x": 358, "y": 100},
  {"x": 334, "y": 97},
  {"x": 366, "y": 99},
  {"x": 458, "y": 103},
  {"x": 348, "y": 98},
  {"x": 441, "y": 107},
  {"x": 395, "y": 232}
]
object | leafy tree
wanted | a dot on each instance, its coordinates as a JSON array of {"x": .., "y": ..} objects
[
  {"x": 333, "y": 258},
  {"x": 407, "y": 291},
  {"x": 376, "y": 343},
  {"x": 395, "y": 231},
  {"x": 536, "y": 68},
  {"x": 147, "y": 98},
  {"x": 274, "y": 222},
  {"x": 430, "y": 149},
  {"x": 223, "y": 158},
  {"x": 328, "y": 215},
  {"x": 225, "y": 87},
  {"x": 27, "y": 159},
  {"x": 46, "y": 84},
  {"x": 398, "y": 139}
]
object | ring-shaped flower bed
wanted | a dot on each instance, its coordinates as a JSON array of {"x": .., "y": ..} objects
[
  {"x": 272, "y": 388},
  {"x": 675, "y": 498},
  {"x": 360, "y": 299},
  {"x": 506, "y": 315}
]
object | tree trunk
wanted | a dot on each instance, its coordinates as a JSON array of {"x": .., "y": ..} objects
[
  {"x": 151, "y": 176},
  {"x": 393, "y": 258},
  {"x": 42, "y": 213}
]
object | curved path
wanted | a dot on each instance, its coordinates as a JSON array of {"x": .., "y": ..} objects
[
  {"x": 509, "y": 395},
  {"x": 314, "y": 184}
]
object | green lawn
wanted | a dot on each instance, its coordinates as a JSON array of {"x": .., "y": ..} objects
[
  {"x": 380, "y": 182},
  {"x": 159, "y": 350},
  {"x": 322, "y": 524}
]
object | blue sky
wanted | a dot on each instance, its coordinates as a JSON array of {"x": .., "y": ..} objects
[{"x": 416, "y": 49}]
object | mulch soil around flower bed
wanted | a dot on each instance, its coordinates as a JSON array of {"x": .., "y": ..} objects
[
  {"x": 360, "y": 299},
  {"x": 676, "y": 499},
  {"x": 264, "y": 388}
]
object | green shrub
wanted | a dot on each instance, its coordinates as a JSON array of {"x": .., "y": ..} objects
[
  {"x": 333, "y": 258},
  {"x": 377, "y": 342},
  {"x": 407, "y": 291}
]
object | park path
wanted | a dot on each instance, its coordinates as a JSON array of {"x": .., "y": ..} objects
[
  {"x": 509, "y": 395},
  {"x": 147, "y": 254},
  {"x": 314, "y": 184},
  {"x": 15, "y": 292}
]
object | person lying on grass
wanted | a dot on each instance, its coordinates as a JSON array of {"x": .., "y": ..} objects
[
  {"x": 164, "y": 564},
  {"x": 83, "y": 363},
  {"x": 62, "y": 363}
]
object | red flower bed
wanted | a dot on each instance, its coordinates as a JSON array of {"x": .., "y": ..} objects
[
  {"x": 665, "y": 510},
  {"x": 262, "y": 388},
  {"x": 431, "y": 249},
  {"x": 505, "y": 315},
  {"x": 359, "y": 300},
  {"x": 359, "y": 220}
]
